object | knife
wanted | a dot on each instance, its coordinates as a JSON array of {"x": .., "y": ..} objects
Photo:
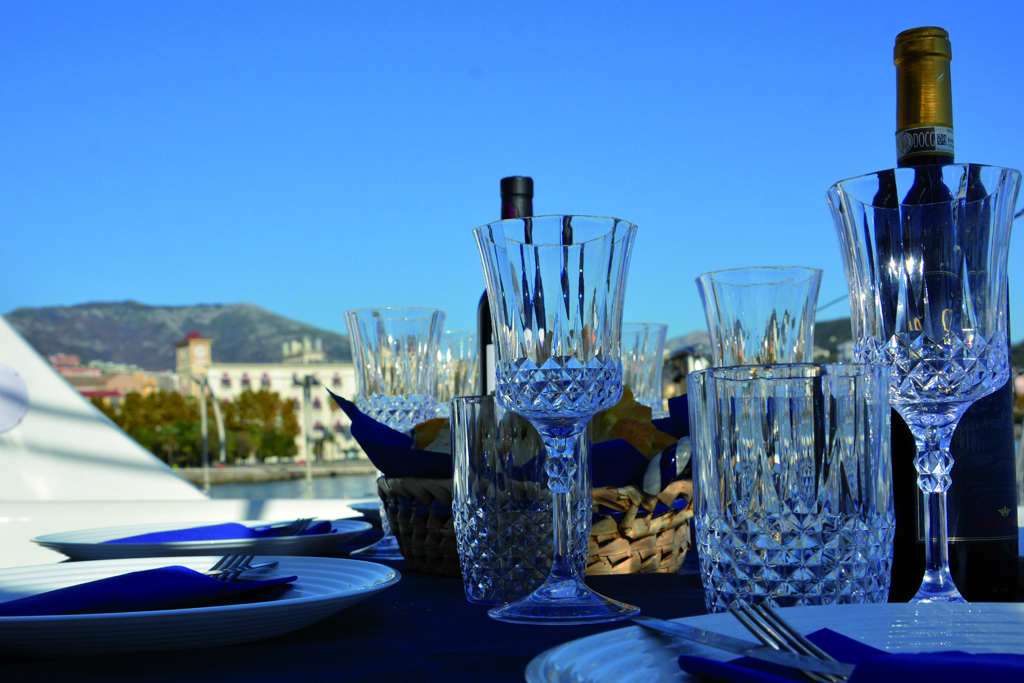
[{"x": 745, "y": 647}]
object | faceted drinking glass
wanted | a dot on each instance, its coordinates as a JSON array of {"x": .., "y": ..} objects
[
  {"x": 925, "y": 251},
  {"x": 760, "y": 315},
  {"x": 792, "y": 484},
  {"x": 457, "y": 368},
  {"x": 394, "y": 351},
  {"x": 501, "y": 502},
  {"x": 643, "y": 350},
  {"x": 555, "y": 286}
]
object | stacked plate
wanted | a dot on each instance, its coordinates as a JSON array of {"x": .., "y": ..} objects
[
  {"x": 324, "y": 587},
  {"x": 90, "y": 544}
]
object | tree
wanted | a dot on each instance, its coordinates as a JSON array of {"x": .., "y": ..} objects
[{"x": 168, "y": 425}]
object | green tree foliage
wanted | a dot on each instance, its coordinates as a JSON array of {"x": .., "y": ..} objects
[{"x": 168, "y": 425}]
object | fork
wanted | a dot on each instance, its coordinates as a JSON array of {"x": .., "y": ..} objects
[
  {"x": 230, "y": 567},
  {"x": 774, "y": 632},
  {"x": 295, "y": 528}
]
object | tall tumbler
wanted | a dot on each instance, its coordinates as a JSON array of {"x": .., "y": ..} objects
[
  {"x": 792, "y": 484},
  {"x": 760, "y": 315},
  {"x": 502, "y": 504},
  {"x": 643, "y": 350}
]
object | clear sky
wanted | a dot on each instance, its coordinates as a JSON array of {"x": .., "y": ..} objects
[{"x": 312, "y": 157}]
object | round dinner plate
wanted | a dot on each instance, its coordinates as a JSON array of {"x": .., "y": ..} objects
[
  {"x": 88, "y": 544},
  {"x": 369, "y": 509},
  {"x": 633, "y": 653},
  {"x": 324, "y": 587}
]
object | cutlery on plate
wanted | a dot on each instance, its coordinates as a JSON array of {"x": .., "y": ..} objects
[
  {"x": 746, "y": 648},
  {"x": 229, "y": 567},
  {"x": 775, "y": 632},
  {"x": 239, "y": 570},
  {"x": 289, "y": 528}
]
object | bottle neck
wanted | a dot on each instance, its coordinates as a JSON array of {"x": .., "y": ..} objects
[
  {"x": 516, "y": 206},
  {"x": 924, "y": 160},
  {"x": 924, "y": 97}
]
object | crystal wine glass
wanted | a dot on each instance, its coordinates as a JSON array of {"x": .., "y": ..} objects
[
  {"x": 556, "y": 285},
  {"x": 928, "y": 293},
  {"x": 643, "y": 351},
  {"x": 394, "y": 351}
]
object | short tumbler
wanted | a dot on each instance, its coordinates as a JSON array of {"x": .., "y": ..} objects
[
  {"x": 792, "y": 484},
  {"x": 502, "y": 504}
]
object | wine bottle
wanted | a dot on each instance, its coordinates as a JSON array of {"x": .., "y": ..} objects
[
  {"x": 516, "y": 202},
  {"x": 981, "y": 501}
]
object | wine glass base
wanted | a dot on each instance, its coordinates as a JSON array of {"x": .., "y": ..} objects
[
  {"x": 384, "y": 549},
  {"x": 563, "y": 602},
  {"x": 937, "y": 588}
]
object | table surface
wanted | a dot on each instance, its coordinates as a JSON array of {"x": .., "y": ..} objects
[{"x": 422, "y": 629}]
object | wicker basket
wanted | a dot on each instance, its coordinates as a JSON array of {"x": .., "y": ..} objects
[
  {"x": 624, "y": 541},
  {"x": 420, "y": 514}
]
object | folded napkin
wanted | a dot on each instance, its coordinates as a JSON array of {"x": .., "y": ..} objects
[
  {"x": 873, "y": 666},
  {"x": 616, "y": 463},
  {"x": 142, "y": 591},
  {"x": 218, "y": 532}
]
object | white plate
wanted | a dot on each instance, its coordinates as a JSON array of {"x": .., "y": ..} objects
[
  {"x": 88, "y": 544},
  {"x": 369, "y": 509},
  {"x": 635, "y": 654},
  {"x": 324, "y": 586}
]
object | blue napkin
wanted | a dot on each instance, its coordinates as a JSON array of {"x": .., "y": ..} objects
[
  {"x": 873, "y": 665},
  {"x": 616, "y": 463},
  {"x": 142, "y": 591},
  {"x": 218, "y": 532},
  {"x": 391, "y": 451}
]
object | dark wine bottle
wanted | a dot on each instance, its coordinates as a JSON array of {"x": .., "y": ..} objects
[
  {"x": 516, "y": 202},
  {"x": 981, "y": 501}
]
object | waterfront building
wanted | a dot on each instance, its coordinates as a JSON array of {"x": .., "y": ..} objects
[
  {"x": 109, "y": 382},
  {"x": 317, "y": 413}
]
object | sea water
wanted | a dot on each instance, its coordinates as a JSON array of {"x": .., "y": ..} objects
[{"x": 352, "y": 486}]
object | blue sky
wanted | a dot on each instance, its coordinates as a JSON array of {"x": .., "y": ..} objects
[{"x": 313, "y": 157}]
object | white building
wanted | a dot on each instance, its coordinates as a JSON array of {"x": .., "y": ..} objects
[{"x": 287, "y": 379}]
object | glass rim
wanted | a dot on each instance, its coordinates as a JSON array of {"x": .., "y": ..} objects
[
  {"x": 656, "y": 325},
  {"x": 360, "y": 313},
  {"x": 839, "y": 187},
  {"x": 810, "y": 271},
  {"x": 473, "y": 399},
  {"x": 860, "y": 367},
  {"x": 481, "y": 231}
]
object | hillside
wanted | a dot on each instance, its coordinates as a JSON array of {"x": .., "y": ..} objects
[
  {"x": 827, "y": 334},
  {"x": 142, "y": 335}
]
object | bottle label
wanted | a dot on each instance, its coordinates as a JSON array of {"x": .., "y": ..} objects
[
  {"x": 982, "y": 499},
  {"x": 926, "y": 140},
  {"x": 490, "y": 369}
]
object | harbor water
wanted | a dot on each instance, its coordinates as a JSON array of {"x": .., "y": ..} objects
[{"x": 353, "y": 486}]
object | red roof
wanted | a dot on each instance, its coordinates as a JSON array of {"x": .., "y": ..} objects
[
  {"x": 188, "y": 337},
  {"x": 100, "y": 393}
]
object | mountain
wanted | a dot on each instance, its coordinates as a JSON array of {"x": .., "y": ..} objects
[
  {"x": 827, "y": 335},
  {"x": 137, "y": 334}
]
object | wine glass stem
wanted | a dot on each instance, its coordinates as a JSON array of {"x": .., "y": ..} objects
[
  {"x": 934, "y": 464},
  {"x": 562, "y": 469},
  {"x": 937, "y": 534}
]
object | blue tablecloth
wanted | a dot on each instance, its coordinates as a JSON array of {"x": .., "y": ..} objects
[{"x": 423, "y": 629}]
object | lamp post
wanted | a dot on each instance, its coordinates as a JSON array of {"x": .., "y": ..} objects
[
  {"x": 204, "y": 389},
  {"x": 307, "y": 383}
]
